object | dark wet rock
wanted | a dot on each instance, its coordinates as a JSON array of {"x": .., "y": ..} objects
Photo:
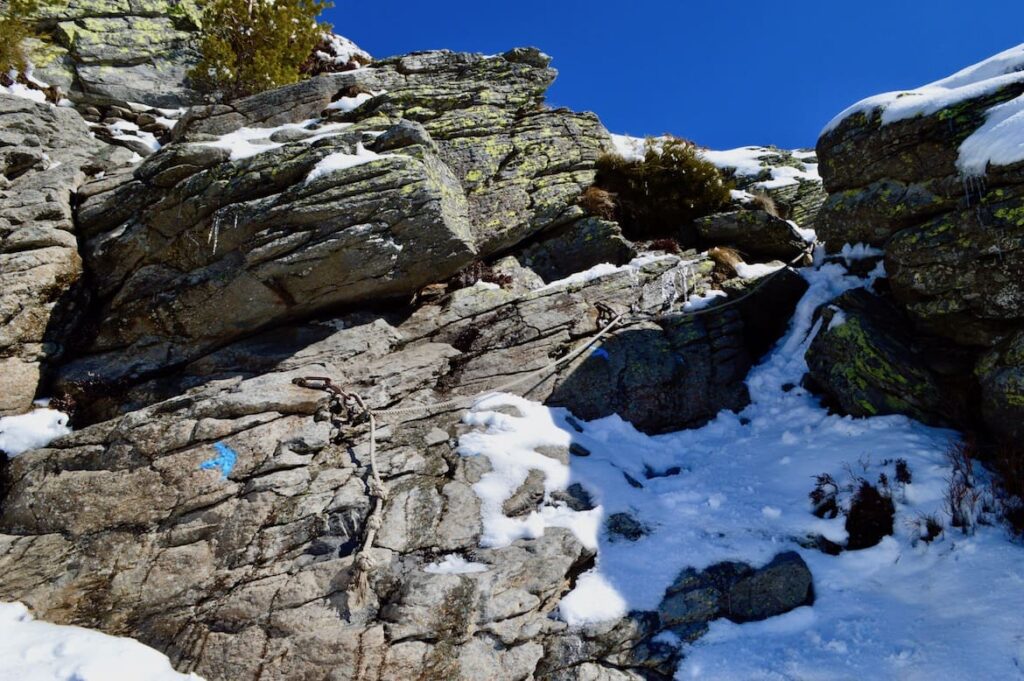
[
  {"x": 624, "y": 526},
  {"x": 576, "y": 497},
  {"x": 735, "y": 591},
  {"x": 866, "y": 359},
  {"x": 1001, "y": 374},
  {"x": 577, "y": 247},
  {"x": 754, "y": 233}
]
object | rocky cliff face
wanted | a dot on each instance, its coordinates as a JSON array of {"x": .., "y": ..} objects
[
  {"x": 904, "y": 174},
  {"x": 378, "y": 227}
]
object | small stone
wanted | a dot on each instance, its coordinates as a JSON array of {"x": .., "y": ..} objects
[
  {"x": 436, "y": 436},
  {"x": 625, "y": 526}
]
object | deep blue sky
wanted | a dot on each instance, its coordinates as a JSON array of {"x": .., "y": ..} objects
[{"x": 722, "y": 73}]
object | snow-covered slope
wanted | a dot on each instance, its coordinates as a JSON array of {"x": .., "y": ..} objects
[
  {"x": 1000, "y": 141},
  {"x": 737, "y": 489}
]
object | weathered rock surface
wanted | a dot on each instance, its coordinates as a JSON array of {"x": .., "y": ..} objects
[
  {"x": 953, "y": 245},
  {"x": 44, "y": 152},
  {"x": 258, "y": 236},
  {"x": 865, "y": 358},
  {"x": 249, "y": 572},
  {"x": 120, "y": 50},
  {"x": 577, "y": 247},
  {"x": 192, "y": 231},
  {"x": 788, "y": 177}
]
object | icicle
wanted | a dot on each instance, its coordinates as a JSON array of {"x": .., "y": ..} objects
[{"x": 214, "y": 234}]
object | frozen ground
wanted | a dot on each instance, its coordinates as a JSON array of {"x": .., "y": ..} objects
[{"x": 737, "y": 489}]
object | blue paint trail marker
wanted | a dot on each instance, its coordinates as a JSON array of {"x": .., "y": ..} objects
[
  {"x": 224, "y": 461},
  {"x": 600, "y": 352}
]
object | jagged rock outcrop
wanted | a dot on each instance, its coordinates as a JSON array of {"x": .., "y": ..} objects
[
  {"x": 313, "y": 220},
  {"x": 788, "y": 177},
  {"x": 212, "y": 508},
  {"x": 951, "y": 225},
  {"x": 103, "y": 51},
  {"x": 45, "y": 154}
]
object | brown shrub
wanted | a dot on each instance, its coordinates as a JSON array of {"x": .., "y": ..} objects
[
  {"x": 726, "y": 259},
  {"x": 478, "y": 271},
  {"x": 870, "y": 517},
  {"x": 598, "y": 202},
  {"x": 667, "y": 245},
  {"x": 664, "y": 192},
  {"x": 963, "y": 498},
  {"x": 764, "y": 201}
]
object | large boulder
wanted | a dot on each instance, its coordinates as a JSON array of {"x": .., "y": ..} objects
[
  {"x": 901, "y": 173},
  {"x": 120, "y": 50},
  {"x": 930, "y": 176},
  {"x": 737, "y": 592},
  {"x": 755, "y": 233},
  {"x": 193, "y": 249},
  {"x": 44, "y": 153},
  {"x": 520, "y": 164}
]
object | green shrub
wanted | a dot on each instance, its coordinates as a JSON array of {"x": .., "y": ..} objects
[
  {"x": 15, "y": 27},
  {"x": 660, "y": 195},
  {"x": 248, "y": 46}
]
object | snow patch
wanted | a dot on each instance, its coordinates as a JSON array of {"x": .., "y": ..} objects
[
  {"x": 838, "y": 318},
  {"x": 851, "y": 253},
  {"x": 510, "y": 443},
  {"x": 745, "y": 271},
  {"x": 342, "y": 51},
  {"x": 340, "y": 161},
  {"x": 754, "y": 161},
  {"x": 605, "y": 269},
  {"x": 31, "y": 650},
  {"x": 19, "y": 434},
  {"x": 454, "y": 564},
  {"x": 248, "y": 142},
  {"x": 699, "y": 302},
  {"x": 593, "y": 600},
  {"x": 902, "y": 609},
  {"x": 1000, "y": 141},
  {"x": 346, "y": 104}
]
